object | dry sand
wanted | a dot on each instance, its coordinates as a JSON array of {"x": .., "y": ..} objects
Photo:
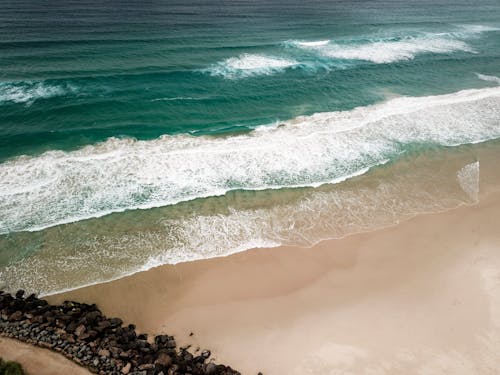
[
  {"x": 422, "y": 297},
  {"x": 38, "y": 361}
]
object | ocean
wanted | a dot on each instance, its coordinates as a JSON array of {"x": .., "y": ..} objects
[{"x": 135, "y": 134}]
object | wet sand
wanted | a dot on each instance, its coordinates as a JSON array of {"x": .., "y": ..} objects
[{"x": 422, "y": 297}]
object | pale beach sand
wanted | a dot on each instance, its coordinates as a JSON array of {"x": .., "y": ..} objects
[
  {"x": 422, "y": 297},
  {"x": 38, "y": 361}
]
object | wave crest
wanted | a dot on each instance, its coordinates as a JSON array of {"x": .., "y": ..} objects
[
  {"x": 247, "y": 65},
  {"x": 397, "y": 47},
  {"x": 387, "y": 50},
  {"x": 120, "y": 174},
  {"x": 27, "y": 92},
  {"x": 313, "y": 43}
]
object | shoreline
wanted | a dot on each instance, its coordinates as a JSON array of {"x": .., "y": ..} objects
[
  {"x": 271, "y": 304},
  {"x": 251, "y": 249},
  {"x": 92, "y": 252}
]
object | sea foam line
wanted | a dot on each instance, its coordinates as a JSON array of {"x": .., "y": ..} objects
[
  {"x": 488, "y": 78},
  {"x": 122, "y": 174}
]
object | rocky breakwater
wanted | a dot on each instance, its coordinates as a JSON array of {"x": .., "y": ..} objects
[{"x": 103, "y": 345}]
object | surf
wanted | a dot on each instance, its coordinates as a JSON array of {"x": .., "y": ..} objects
[
  {"x": 27, "y": 92},
  {"x": 121, "y": 174},
  {"x": 247, "y": 65},
  {"x": 395, "y": 46}
]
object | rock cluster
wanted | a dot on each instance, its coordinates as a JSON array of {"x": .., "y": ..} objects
[{"x": 103, "y": 345}]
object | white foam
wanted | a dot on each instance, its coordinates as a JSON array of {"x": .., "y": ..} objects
[
  {"x": 478, "y": 29},
  {"x": 392, "y": 50},
  {"x": 27, "y": 92},
  {"x": 315, "y": 43},
  {"x": 468, "y": 178},
  {"x": 487, "y": 78},
  {"x": 120, "y": 174},
  {"x": 247, "y": 65},
  {"x": 221, "y": 227},
  {"x": 397, "y": 47}
]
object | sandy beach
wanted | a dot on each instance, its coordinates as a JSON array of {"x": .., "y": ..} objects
[
  {"x": 38, "y": 361},
  {"x": 422, "y": 297},
  {"x": 250, "y": 187}
]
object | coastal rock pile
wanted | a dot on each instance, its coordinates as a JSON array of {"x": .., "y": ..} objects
[{"x": 103, "y": 345}]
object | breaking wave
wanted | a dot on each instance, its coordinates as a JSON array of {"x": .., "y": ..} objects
[
  {"x": 386, "y": 50},
  {"x": 219, "y": 226},
  {"x": 121, "y": 174},
  {"x": 27, "y": 92},
  {"x": 247, "y": 65},
  {"x": 397, "y": 47}
]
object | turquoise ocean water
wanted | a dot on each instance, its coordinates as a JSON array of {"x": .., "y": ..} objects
[{"x": 134, "y": 134}]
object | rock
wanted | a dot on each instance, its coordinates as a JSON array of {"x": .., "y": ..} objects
[
  {"x": 115, "y": 322},
  {"x": 163, "y": 359},
  {"x": 101, "y": 326},
  {"x": 103, "y": 353},
  {"x": 171, "y": 344},
  {"x": 18, "y": 315},
  {"x": 205, "y": 354},
  {"x": 115, "y": 351},
  {"x": 68, "y": 338},
  {"x": 146, "y": 366},
  {"x": 210, "y": 369},
  {"x": 77, "y": 360},
  {"x": 66, "y": 318},
  {"x": 47, "y": 345},
  {"x": 126, "y": 369},
  {"x": 126, "y": 354},
  {"x": 79, "y": 330},
  {"x": 92, "y": 333},
  {"x": 83, "y": 337},
  {"x": 91, "y": 317},
  {"x": 161, "y": 339},
  {"x": 19, "y": 294}
]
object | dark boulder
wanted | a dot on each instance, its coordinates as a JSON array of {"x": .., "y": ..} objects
[
  {"x": 19, "y": 294},
  {"x": 163, "y": 359},
  {"x": 115, "y": 322}
]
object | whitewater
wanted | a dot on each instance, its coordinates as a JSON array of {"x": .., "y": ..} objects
[{"x": 121, "y": 174}]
